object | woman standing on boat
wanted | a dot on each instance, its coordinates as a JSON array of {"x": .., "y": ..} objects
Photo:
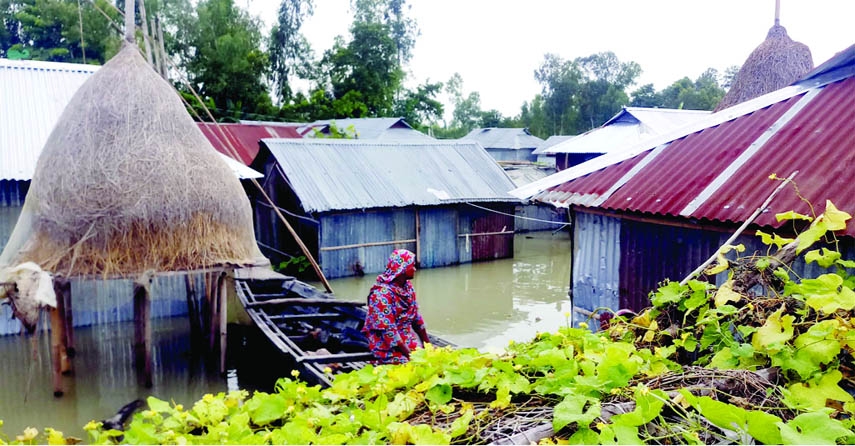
[{"x": 393, "y": 320}]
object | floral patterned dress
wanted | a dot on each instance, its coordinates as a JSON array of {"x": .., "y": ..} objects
[{"x": 392, "y": 311}]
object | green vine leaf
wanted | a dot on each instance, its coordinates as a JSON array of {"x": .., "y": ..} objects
[
  {"x": 792, "y": 215},
  {"x": 823, "y": 257},
  {"x": 809, "y": 396},
  {"x": 774, "y": 333},
  {"x": 813, "y": 428},
  {"x": 570, "y": 410},
  {"x": 439, "y": 394}
]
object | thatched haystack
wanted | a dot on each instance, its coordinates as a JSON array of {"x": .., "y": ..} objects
[
  {"x": 127, "y": 183},
  {"x": 776, "y": 63}
]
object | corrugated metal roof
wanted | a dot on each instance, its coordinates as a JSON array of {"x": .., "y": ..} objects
[
  {"x": 245, "y": 138},
  {"x": 336, "y": 174},
  {"x": 628, "y": 127},
  {"x": 32, "y": 97},
  {"x": 504, "y": 138},
  {"x": 525, "y": 174},
  {"x": 720, "y": 172},
  {"x": 551, "y": 141}
]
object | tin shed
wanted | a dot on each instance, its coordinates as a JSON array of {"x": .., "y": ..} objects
[
  {"x": 353, "y": 201},
  {"x": 660, "y": 208}
]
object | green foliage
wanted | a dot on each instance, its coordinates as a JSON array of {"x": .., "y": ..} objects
[
  {"x": 704, "y": 93},
  {"x": 802, "y": 332},
  {"x": 295, "y": 266}
]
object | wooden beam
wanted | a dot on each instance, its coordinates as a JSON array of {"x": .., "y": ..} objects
[
  {"x": 56, "y": 350},
  {"x": 297, "y": 317},
  {"x": 301, "y": 301},
  {"x": 364, "y": 245},
  {"x": 142, "y": 327},
  {"x": 338, "y": 357},
  {"x": 418, "y": 239},
  {"x": 224, "y": 320},
  {"x": 60, "y": 288}
]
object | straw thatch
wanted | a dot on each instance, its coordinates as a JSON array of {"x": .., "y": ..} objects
[
  {"x": 777, "y": 62},
  {"x": 127, "y": 183}
]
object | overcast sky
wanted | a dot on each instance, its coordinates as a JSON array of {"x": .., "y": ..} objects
[{"x": 496, "y": 45}]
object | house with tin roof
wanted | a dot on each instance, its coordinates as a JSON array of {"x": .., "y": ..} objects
[
  {"x": 629, "y": 126},
  {"x": 506, "y": 144},
  {"x": 353, "y": 201},
  {"x": 387, "y": 129},
  {"x": 659, "y": 208}
]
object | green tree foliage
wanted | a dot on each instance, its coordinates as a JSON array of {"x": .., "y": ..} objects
[
  {"x": 228, "y": 66},
  {"x": 702, "y": 94},
  {"x": 581, "y": 94},
  {"x": 419, "y": 107},
  {"x": 290, "y": 52},
  {"x": 51, "y": 30}
]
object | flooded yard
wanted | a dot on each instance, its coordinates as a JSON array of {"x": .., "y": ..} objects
[{"x": 482, "y": 305}]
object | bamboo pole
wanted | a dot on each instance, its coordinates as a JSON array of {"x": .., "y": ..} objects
[
  {"x": 165, "y": 67},
  {"x": 69, "y": 318},
  {"x": 193, "y": 309},
  {"x": 142, "y": 327},
  {"x": 129, "y": 21},
  {"x": 224, "y": 293},
  {"x": 62, "y": 326},
  {"x": 418, "y": 238},
  {"x": 364, "y": 245},
  {"x": 146, "y": 39},
  {"x": 213, "y": 296},
  {"x": 56, "y": 350}
]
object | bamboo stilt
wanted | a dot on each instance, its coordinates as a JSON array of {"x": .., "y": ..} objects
[
  {"x": 69, "y": 319},
  {"x": 193, "y": 310},
  {"x": 56, "y": 350},
  {"x": 223, "y": 304},
  {"x": 214, "y": 315},
  {"x": 418, "y": 239},
  {"x": 142, "y": 327},
  {"x": 62, "y": 326}
]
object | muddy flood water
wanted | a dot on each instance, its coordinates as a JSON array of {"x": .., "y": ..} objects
[{"x": 483, "y": 305}]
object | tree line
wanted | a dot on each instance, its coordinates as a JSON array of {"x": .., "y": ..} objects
[{"x": 241, "y": 71}]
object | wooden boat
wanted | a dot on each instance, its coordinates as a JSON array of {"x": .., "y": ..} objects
[{"x": 317, "y": 330}]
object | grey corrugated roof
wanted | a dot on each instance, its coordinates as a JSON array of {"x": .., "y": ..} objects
[
  {"x": 551, "y": 141},
  {"x": 340, "y": 174},
  {"x": 504, "y": 138},
  {"x": 32, "y": 97}
]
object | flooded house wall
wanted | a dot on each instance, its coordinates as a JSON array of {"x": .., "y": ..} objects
[
  {"x": 12, "y": 195},
  {"x": 438, "y": 244},
  {"x": 542, "y": 215},
  {"x": 651, "y": 253},
  {"x": 483, "y": 234},
  {"x": 97, "y": 302},
  {"x": 512, "y": 154},
  {"x": 595, "y": 274},
  {"x": 381, "y": 227}
]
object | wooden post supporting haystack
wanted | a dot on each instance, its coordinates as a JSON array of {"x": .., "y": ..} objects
[
  {"x": 56, "y": 350},
  {"x": 224, "y": 317},
  {"x": 62, "y": 289},
  {"x": 142, "y": 326}
]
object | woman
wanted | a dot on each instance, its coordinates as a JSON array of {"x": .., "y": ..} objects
[{"x": 393, "y": 318}]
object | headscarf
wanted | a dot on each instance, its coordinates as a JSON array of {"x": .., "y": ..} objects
[{"x": 398, "y": 262}]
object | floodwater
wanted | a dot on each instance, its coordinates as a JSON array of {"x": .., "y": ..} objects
[{"x": 482, "y": 305}]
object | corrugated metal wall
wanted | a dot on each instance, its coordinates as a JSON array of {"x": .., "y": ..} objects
[
  {"x": 475, "y": 221},
  {"x": 360, "y": 228},
  {"x": 596, "y": 262},
  {"x": 12, "y": 195},
  {"x": 98, "y": 302},
  {"x": 438, "y": 237},
  {"x": 546, "y": 213},
  {"x": 512, "y": 154},
  {"x": 651, "y": 253}
]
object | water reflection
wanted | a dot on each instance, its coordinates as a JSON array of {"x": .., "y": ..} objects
[
  {"x": 482, "y": 305},
  {"x": 105, "y": 377},
  {"x": 486, "y": 304}
]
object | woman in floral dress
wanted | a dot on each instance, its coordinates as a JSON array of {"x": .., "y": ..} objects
[{"x": 393, "y": 324}]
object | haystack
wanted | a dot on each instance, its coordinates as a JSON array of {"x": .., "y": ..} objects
[
  {"x": 127, "y": 183},
  {"x": 776, "y": 63}
]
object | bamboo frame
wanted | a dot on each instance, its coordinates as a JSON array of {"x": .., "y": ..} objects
[{"x": 365, "y": 245}]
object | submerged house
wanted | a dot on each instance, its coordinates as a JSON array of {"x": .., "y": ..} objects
[
  {"x": 506, "y": 144},
  {"x": 628, "y": 127},
  {"x": 660, "y": 208},
  {"x": 353, "y": 201}
]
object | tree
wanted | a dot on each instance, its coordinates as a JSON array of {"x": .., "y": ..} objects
[
  {"x": 646, "y": 96},
  {"x": 419, "y": 107},
  {"x": 51, "y": 30},
  {"x": 392, "y": 13},
  {"x": 228, "y": 65},
  {"x": 702, "y": 94},
  {"x": 290, "y": 52},
  {"x": 364, "y": 70}
]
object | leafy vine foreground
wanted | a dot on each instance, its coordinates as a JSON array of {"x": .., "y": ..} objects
[{"x": 764, "y": 358}]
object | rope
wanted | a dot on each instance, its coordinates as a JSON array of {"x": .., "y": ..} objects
[{"x": 517, "y": 216}]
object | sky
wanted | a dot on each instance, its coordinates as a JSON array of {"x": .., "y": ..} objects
[{"x": 496, "y": 45}]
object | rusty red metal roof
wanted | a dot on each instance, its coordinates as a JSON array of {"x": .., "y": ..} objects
[
  {"x": 721, "y": 172},
  {"x": 243, "y": 137}
]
